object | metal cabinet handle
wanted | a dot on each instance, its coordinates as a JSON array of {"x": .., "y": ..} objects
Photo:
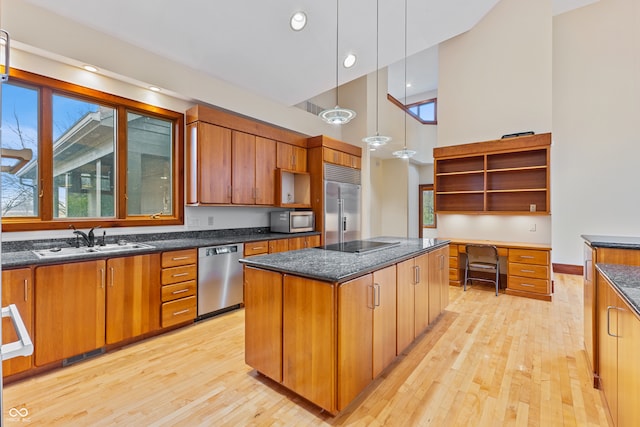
[
  {"x": 102, "y": 279},
  {"x": 526, "y": 257},
  {"x": 26, "y": 287},
  {"x": 416, "y": 274},
  {"x": 179, "y": 291},
  {"x": 178, "y": 313},
  {"x": 441, "y": 262},
  {"x": 527, "y": 285},
  {"x": 609, "y": 321},
  {"x": 179, "y": 258},
  {"x": 527, "y": 271},
  {"x": 111, "y": 278},
  {"x": 376, "y": 295},
  {"x": 180, "y": 274}
]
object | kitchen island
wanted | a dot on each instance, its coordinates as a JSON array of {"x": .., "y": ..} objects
[{"x": 325, "y": 323}]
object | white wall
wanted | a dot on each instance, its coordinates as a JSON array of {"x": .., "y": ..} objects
[
  {"x": 596, "y": 108},
  {"x": 496, "y": 79}
]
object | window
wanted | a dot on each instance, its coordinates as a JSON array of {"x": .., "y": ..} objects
[
  {"x": 427, "y": 212},
  {"x": 80, "y": 156},
  {"x": 426, "y": 112}
]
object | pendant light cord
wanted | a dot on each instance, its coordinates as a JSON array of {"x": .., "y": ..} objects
[
  {"x": 405, "y": 74},
  {"x": 337, "y": 47}
]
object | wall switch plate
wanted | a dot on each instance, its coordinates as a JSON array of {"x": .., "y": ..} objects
[
  {"x": 210, "y": 220},
  {"x": 533, "y": 227},
  {"x": 532, "y": 207}
]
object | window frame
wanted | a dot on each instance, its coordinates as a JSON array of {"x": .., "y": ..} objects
[
  {"x": 421, "y": 189},
  {"x": 45, "y": 220},
  {"x": 407, "y": 107}
]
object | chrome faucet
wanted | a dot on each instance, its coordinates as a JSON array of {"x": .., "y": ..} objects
[{"x": 89, "y": 238}]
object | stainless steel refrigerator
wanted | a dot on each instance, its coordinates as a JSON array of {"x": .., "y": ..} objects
[{"x": 342, "y": 196}]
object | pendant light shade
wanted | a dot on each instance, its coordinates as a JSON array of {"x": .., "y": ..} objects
[
  {"x": 405, "y": 153},
  {"x": 377, "y": 140},
  {"x": 337, "y": 115}
]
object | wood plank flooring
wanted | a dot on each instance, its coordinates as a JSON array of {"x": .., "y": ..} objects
[{"x": 487, "y": 361}]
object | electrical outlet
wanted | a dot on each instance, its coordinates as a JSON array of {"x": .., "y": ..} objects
[
  {"x": 210, "y": 220},
  {"x": 533, "y": 227}
]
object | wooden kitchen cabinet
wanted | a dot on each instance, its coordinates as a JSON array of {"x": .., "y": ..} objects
[
  {"x": 303, "y": 242},
  {"x": 243, "y": 168},
  {"x": 309, "y": 340},
  {"x": 618, "y": 347},
  {"x": 278, "y": 245},
  {"x": 263, "y": 321},
  {"x": 529, "y": 273},
  {"x": 133, "y": 296},
  {"x": 178, "y": 279},
  {"x": 413, "y": 300},
  {"x": 265, "y": 171},
  {"x": 291, "y": 157},
  {"x": 259, "y": 247},
  {"x": 341, "y": 158},
  {"x": 355, "y": 337},
  {"x": 384, "y": 319},
  {"x": 208, "y": 164},
  {"x": 69, "y": 310},
  {"x": 438, "y": 282},
  {"x": 17, "y": 288}
]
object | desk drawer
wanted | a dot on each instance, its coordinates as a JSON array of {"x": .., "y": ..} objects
[
  {"x": 178, "y": 290},
  {"x": 454, "y": 274},
  {"x": 453, "y": 250},
  {"x": 528, "y": 270},
  {"x": 179, "y": 274},
  {"x": 529, "y": 256},
  {"x": 453, "y": 261},
  {"x": 539, "y": 286}
]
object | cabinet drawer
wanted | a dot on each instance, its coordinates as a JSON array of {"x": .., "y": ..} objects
[
  {"x": 178, "y": 311},
  {"x": 453, "y": 261},
  {"x": 256, "y": 248},
  {"x": 528, "y": 270},
  {"x": 539, "y": 286},
  {"x": 174, "y": 258},
  {"x": 453, "y": 274},
  {"x": 179, "y": 274},
  {"x": 529, "y": 256},
  {"x": 178, "y": 290}
]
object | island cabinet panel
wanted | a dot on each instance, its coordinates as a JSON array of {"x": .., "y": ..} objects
[
  {"x": 263, "y": 321},
  {"x": 133, "y": 296},
  {"x": 309, "y": 340},
  {"x": 17, "y": 288},
  {"x": 413, "y": 300},
  {"x": 438, "y": 282},
  {"x": 355, "y": 337},
  {"x": 384, "y": 318},
  {"x": 69, "y": 310}
]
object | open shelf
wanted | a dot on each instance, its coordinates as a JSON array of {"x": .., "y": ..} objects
[
  {"x": 293, "y": 189},
  {"x": 502, "y": 176}
]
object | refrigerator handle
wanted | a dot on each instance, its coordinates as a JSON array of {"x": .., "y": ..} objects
[{"x": 344, "y": 223}]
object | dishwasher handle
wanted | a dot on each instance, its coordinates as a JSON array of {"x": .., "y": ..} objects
[{"x": 220, "y": 250}]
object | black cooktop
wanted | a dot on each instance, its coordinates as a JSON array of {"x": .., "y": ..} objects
[{"x": 359, "y": 246}]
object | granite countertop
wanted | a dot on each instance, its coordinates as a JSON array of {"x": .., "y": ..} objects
[
  {"x": 619, "y": 242},
  {"x": 626, "y": 279},
  {"x": 338, "y": 267},
  {"x": 19, "y": 254}
]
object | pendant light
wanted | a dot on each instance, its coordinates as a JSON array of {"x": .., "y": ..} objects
[
  {"x": 337, "y": 115},
  {"x": 377, "y": 140},
  {"x": 405, "y": 153}
]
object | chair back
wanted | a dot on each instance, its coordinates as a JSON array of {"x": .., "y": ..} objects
[{"x": 486, "y": 254}]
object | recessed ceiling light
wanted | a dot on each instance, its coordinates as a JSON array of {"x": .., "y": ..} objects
[
  {"x": 154, "y": 88},
  {"x": 298, "y": 21},
  {"x": 90, "y": 68},
  {"x": 349, "y": 61}
]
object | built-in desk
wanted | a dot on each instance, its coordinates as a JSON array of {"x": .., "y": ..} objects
[{"x": 527, "y": 266}]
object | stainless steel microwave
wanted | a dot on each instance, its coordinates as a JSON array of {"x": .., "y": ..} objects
[{"x": 292, "y": 221}]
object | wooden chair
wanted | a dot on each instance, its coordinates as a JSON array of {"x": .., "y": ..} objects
[{"x": 482, "y": 258}]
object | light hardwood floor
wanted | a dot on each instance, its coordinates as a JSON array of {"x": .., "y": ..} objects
[{"x": 487, "y": 361}]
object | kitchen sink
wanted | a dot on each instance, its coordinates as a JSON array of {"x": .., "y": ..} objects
[{"x": 110, "y": 248}]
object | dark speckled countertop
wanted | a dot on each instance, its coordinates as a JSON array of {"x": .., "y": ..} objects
[
  {"x": 619, "y": 242},
  {"x": 626, "y": 279},
  {"x": 333, "y": 266},
  {"x": 19, "y": 253}
]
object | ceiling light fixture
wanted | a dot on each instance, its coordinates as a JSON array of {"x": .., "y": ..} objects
[
  {"x": 349, "y": 60},
  {"x": 337, "y": 115},
  {"x": 377, "y": 140},
  {"x": 298, "y": 21},
  {"x": 405, "y": 153},
  {"x": 90, "y": 68},
  {"x": 154, "y": 88}
]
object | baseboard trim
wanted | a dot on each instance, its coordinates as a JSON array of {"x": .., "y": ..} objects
[{"x": 568, "y": 269}]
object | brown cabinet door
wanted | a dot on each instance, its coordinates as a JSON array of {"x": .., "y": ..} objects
[
  {"x": 405, "y": 301},
  {"x": 607, "y": 344},
  {"x": 263, "y": 321},
  {"x": 384, "y": 318},
  {"x": 421, "y": 301},
  {"x": 69, "y": 310},
  {"x": 355, "y": 338},
  {"x": 628, "y": 367},
  {"x": 279, "y": 245},
  {"x": 309, "y": 340},
  {"x": 243, "y": 169},
  {"x": 17, "y": 288},
  {"x": 214, "y": 164},
  {"x": 265, "y": 171},
  {"x": 291, "y": 157},
  {"x": 133, "y": 296}
]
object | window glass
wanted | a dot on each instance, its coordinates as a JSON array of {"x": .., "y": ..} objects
[
  {"x": 428, "y": 216},
  {"x": 83, "y": 159},
  {"x": 20, "y": 151},
  {"x": 149, "y": 165}
]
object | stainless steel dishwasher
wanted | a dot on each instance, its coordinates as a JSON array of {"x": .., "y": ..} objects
[{"x": 219, "y": 278}]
